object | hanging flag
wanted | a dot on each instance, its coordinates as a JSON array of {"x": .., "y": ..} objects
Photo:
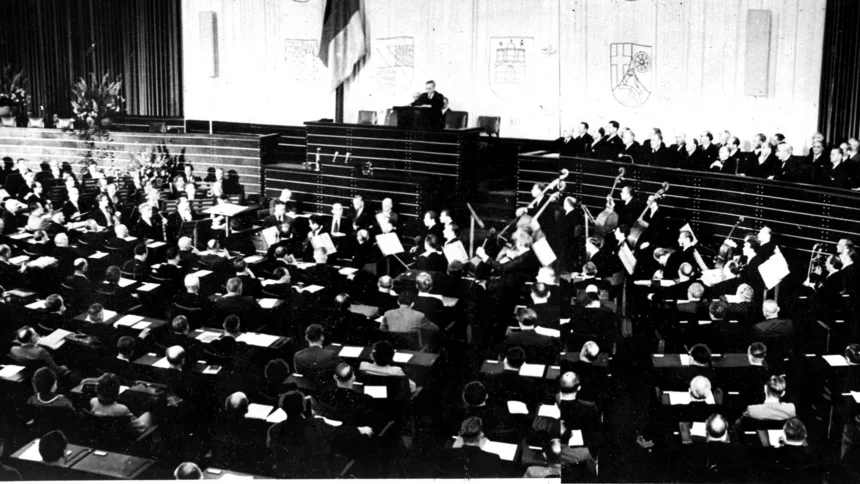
[{"x": 342, "y": 45}]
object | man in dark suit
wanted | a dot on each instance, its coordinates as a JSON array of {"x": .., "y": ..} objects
[
  {"x": 538, "y": 348},
  {"x": 74, "y": 208},
  {"x": 609, "y": 146},
  {"x": 278, "y": 216},
  {"x": 787, "y": 169},
  {"x": 838, "y": 173},
  {"x": 65, "y": 255},
  {"x": 316, "y": 362},
  {"x": 251, "y": 286},
  {"x": 55, "y": 313},
  {"x": 657, "y": 154},
  {"x": 79, "y": 280},
  {"x": 451, "y": 283},
  {"x": 576, "y": 413},
  {"x": 139, "y": 267},
  {"x": 120, "y": 364},
  {"x": 361, "y": 218},
  {"x": 171, "y": 270},
  {"x": 594, "y": 378},
  {"x": 709, "y": 152},
  {"x": 227, "y": 345},
  {"x": 343, "y": 403},
  {"x": 234, "y": 303},
  {"x": 467, "y": 460},
  {"x": 716, "y": 459},
  {"x": 28, "y": 353},
  {"x": 387, "y": 220},
  {"x": 348, "y": 327},
  {"x": 590, "y": 321},
  {"x": 322, "y": 274},
  {"x": 548, "y": 315},
  {"x": 435, "y": 101},
  {"x": 795, "y": 458},
  {"x": 316, "y": 229},
  {"x": 427, "y": 302},
  {"x": 631, "y": 150},
  {"x": 191, "y": 298},
  {"x": 773, "y": 325}
]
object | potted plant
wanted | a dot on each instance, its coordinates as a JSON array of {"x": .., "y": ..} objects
[
  {"x": 97, "y": 101},
  {"x": 13, "y": 93}
]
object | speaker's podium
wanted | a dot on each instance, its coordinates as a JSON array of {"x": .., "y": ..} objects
[{"x": 416, "y": 118}]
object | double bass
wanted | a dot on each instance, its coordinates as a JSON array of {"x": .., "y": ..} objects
[
  {"x": 640, "y": 226},
  {"x": 607, "y": 220},
  {"x": 726, "y": 252}
]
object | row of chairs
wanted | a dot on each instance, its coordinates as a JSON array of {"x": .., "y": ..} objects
[{"x": 454, "y": 120}]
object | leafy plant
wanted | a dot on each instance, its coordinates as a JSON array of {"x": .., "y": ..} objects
[
  {"x": 13, "y": 91},
  {"x": 99, "y": 99}
]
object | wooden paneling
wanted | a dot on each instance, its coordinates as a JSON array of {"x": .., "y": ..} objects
[
  {"x": 233, "y": 153},
  {"x": 800, "y": 215},
  {"x": 291, "y": 144}
]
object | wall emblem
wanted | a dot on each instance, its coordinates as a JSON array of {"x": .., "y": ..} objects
[
  {"x": 509, "y": 65},
  {"x": 630, "y": 70},
  {"x": 302, "y": 60},
  {"x": 396, "y": 58}
]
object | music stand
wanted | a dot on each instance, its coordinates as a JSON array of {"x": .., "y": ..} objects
[
  {"x": 473, "y": 219},
  {"x": 191, "y": 229},
  {"x": 389, "y": 244},
  {"x": 226, "y": 210}
]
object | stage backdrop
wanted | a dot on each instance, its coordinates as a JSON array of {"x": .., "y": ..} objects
[{"x": 542, "y": 66}]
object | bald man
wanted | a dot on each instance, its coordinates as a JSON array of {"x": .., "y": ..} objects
[
  {"x": 188, "y": 471},
  {"x": 773, "y": 326},
  {"x": 178, "y": 374},
  {"x": 577, "y": 414},
  {"x": 716, "y": 459},
  {"x": 595, "y": 378}
]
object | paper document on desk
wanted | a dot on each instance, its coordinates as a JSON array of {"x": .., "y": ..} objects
[
  {"x": 698, "y": 429},
  {"x": 267, "y": 302},
  {"x": 98, "y": 255},
  {"x": 277, "y": 416},
  {"x": 268, "y": 282},
  {"x": 376, "y": 391},
  {"x": 551, "y": 411},
  {"x": 123, "y": 282},
  {"x": 311, "y": 288},
  {"x": 128, "y": 320},
  {"x": 576, "y": 439},
  {"x": 201, "y": 273},
  {"x": 258, "y": 339},
  {"x": 55, "y": 339},
  {"x": 212, "y": 370},
  {"x": 515, "y": 407},
  {"x": 32, "y": 453},
  {"x": 22, "y": 235},
  {"x": 19, "y": 260},
  {"x": 402, "y": 357},
  {"x": 36, "y": 305},
  {"x": 856, "y": 396},
  {"x": 8, "y": 371},
  {"x": 155, "y": 245},
  {"x": 505, "y": 451},
  {"x": 685, "y": 359},
  {"x": 257, "y": 411},
  {"x": 535, "y": 371},
  {"x": 773, "y": 436},
  {"x": 552, "y": 333},
  {"x": 142, "y": 325},
  {"x": 683, "y": 398},
  {"x": 351, "y": 351},
  {"x": 109, "y": 314},
  {"x": 733, "y": 299},
  {"x": 346, "y": 271},
  {"x": 162, "y": 363},
  {"x": 253, "y": 259},
  {"x": 835, "y": 360},
  {"x": 207, "y": 336},
  {"x": 148, "y": 287}
]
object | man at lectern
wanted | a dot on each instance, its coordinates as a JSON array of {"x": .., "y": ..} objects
[{"x": 432, "y": 99}]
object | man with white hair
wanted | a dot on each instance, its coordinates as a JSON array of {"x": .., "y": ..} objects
[
  {"x": 10, "y": 217},
  {"x": 65, "y": 255},
  {"x": 787, "y": 169},
  {"x": 717, "y": 458},
  {"x": 773, "y": 325},
  {"x": 188, "y": 254},
  {"x": 74, "y": 207},
  {"x": 337, "y": 225},
  {"x": 191, "y": 298},
  {"x": 79, "y": 279},
  {"x": 387, "y": 218}
]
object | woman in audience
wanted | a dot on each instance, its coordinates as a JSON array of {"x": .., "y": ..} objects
[
  {"x": 110, "y": 284},
  {"x": 382, "y": 356},
  {"x": 105, "y": 404},
  {"x": 45, "y": 391},
  {"x": 742, "y": 307}
]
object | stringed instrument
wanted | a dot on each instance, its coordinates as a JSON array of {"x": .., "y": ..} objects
[
  {"x": 521, "y": 211},
  {"x": 534, "y": 224},
  {"x": 640, "y": 226},
  {"x": 726, "y": 252},
  {"x": 607, "y": 220}
]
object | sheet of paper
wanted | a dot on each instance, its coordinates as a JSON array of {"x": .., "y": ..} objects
[
  {"x": 211, "y": 370},
  {"x": 258, "y": 339},
  {"x": 774, "y": 269},
  {"x": 685, "y": 359},
  {"x": 155, "y": 267},
  {"x": 162, "y": 363},
  {"x": 142, "y": 325},
  {"x": 346, "y": 271},
  {"x": 627, "y": 258},
  {"x": 856, "y": 396},
  {"x": 148, "y": 287},
  {"x": 576, "y": 439},
  {"x": 253, "y": 259},
  {"x": 733, "y": 298},
  {"x": 773, "y": 436},
  {"x": 122, "y": 389},
  {"x": 324, "y": 241},
  {"x": 535, "y": 371},
  {"x": 704, "y": 322},
  {"x": 678, "y": 398},
  {"x": 666, "y": 283},
  {"x": 98, "y": 255},
  {"x": 123, "y": 282},
  {"x": 19, "y": 260},
  {"x": 376, "y": 391},
  {"x": 515, "y": 407},
  {"x": 36, "y": 305},
  {"x": 698, "y": 429},
  {"x": 207, "y": 336},
  {"x": 455, "y": 251},
  {"x": 130, "y": 239},
  {"x": 351, "y": 351},
  {"x": 128, "y": 320},
  {"x": 552, "y": 333},
  {"x": 544, "y": 252},
  {"x": 311, "y": 288},
  {"x": 267, "y": 303},
  {"x": 22, "y": 235},
  {"x": 564, "y": 321},
  {"x": 55, "y": 339},
  {"x": 32, "y": 453},
  {"x": 8, "y": 371},
  {"x": 109, "y": 314},
  {"x": 389, "y": 244},
  {"x": 506, "y": 451},
  {"x": 277, "y": 416},
  {"x": 551, "y": 411},
  {"x": 835, "y": 360},
  {"x": 257, "y": 411},
  {"x": 333, "y": 423},
  {"x": 201, "y": 273},
  {"x": 155, "y": 245},
  {"x": 270, "y": 235},
  {"x": 402, "y": 357},
  {"x": 268, "y": 282}
]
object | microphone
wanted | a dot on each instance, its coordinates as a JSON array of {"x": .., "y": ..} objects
[{"x": 632, "y": 161}]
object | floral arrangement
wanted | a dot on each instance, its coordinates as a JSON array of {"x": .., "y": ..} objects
[
  {"x": 97, "y": 100},
  {"x": 12, "y": 90}
]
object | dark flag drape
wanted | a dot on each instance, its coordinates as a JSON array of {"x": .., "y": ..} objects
[
  {"x": 342, "y": 45},
  {"x": 839, "y": 105}
]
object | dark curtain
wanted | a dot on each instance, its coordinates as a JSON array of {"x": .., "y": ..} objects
[
  {"x": 839, "y": 116},
  {"x": 59, "y": 41}
]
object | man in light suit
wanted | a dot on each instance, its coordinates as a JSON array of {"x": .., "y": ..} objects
[
  {"x": 772, "y": 408},
  {"x": 404, "y": 319}
]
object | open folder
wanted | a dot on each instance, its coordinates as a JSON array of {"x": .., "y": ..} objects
[{"x": 455, "y": 251}]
